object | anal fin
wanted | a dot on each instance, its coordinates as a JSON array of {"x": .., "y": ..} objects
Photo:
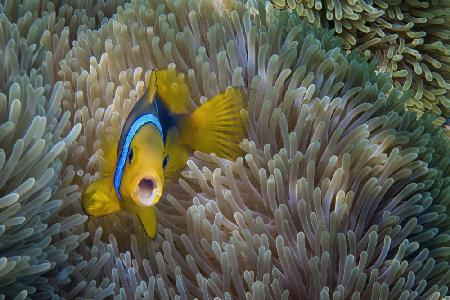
[{"x": 149, "y": 219}]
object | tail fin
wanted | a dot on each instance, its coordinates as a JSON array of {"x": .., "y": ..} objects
[{"x": 217, "y": 126}]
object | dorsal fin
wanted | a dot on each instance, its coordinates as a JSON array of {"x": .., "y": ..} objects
[
  {"x": 172, "y": 90},
  {"x": 151, "y": 87}
]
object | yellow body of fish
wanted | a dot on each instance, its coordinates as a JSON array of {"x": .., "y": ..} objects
[{"x": 155, "y": 143}]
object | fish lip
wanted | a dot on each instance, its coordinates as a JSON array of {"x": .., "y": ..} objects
[{"x": 142, "y": 191}]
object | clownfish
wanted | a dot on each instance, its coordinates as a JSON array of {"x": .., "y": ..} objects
[{"x": 154, "y": 145}]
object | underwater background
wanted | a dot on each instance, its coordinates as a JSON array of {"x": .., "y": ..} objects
[{"x": 344, "y": 188}]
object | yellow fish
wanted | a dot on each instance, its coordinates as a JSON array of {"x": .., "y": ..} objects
[{"x": 155, "y": 143}]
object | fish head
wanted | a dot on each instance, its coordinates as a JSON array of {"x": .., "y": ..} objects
[{"x": 143, "y": 174}]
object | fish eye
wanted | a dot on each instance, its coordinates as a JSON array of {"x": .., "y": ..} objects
[
  {"x": 130, "y": 155},
  {"x": 165, "y": 161}
]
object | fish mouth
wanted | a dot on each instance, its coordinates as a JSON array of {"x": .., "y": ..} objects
[{"x": 148, "y": 191}]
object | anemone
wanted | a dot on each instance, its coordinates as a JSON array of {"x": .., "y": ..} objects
[
  {"x": 77, "y": 15},
  {"x": 340, "y": 193},
  {"x": 408, "y": 38},
  {"x": 35, "y": 184},
  {"x": 38, "y": 236}
]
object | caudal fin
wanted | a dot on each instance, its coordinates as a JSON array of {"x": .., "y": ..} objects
[{"x": 216, "y": 126}]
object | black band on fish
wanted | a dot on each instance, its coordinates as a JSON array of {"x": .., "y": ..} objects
[{"x": 137, "y": 124}]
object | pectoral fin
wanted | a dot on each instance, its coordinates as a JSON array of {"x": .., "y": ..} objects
[
  {"x": 99, "y": 198},
  {"x": 107, "y": 156},
  {"x": 177, "y": 156},
  {"x": 149, "y": 220}
]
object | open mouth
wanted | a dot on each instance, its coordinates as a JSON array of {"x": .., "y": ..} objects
[{"x": 146, "y": 191}]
